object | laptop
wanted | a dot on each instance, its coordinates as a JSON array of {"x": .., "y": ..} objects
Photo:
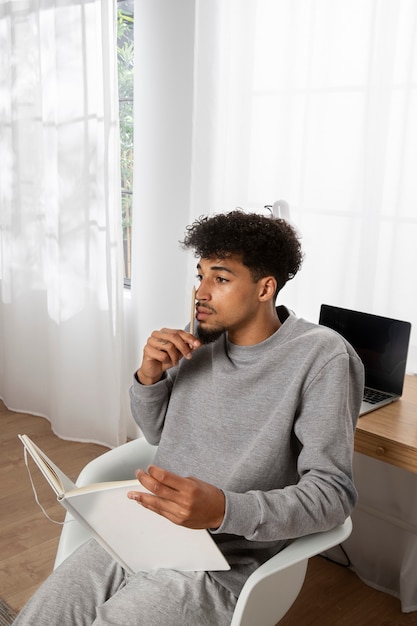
[{"x": 382, "y": 344}]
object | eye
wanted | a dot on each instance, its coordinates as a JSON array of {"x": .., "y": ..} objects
[
  {"x": 221, "y": 279},
  {"x": 199, "y": 278}
]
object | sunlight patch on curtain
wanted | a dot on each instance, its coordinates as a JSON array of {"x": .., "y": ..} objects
[{"x": 61, "y": 256}]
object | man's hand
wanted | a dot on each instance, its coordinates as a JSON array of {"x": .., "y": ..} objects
[
  {"x": 185, "y": 501},
  {"x": 163, "y": 350}
]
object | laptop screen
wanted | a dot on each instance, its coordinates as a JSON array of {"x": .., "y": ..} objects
[{"x": 381, "y": 343}]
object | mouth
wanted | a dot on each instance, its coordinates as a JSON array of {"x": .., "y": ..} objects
[{"x": 203, "y": 313}]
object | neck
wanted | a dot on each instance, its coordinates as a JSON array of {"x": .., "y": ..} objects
[{"x": 257, "y": 330}]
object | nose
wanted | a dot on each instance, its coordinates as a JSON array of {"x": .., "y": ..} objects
[{"x": 202, "y": 293}]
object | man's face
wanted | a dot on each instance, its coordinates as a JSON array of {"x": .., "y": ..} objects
[{"x": 227, "y": 299}]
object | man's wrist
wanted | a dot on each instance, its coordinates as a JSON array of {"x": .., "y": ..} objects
[{"x": 142, "y": 379}]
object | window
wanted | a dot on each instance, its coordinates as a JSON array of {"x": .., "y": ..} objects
[{"x": 125, "y": 61}]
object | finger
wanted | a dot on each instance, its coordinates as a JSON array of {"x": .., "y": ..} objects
[
  {"x": 175, "y": 342},
  {"x": 162, "y": 483},
  {"x": 182, "y": 336},
  {"x": 165, "y": 354},
  {"x": 172, "y": 511},
  {"x": 161, "y": 497},
  {"x": 161, "y": 351}
]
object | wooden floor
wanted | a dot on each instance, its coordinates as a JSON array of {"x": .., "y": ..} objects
[
  {"x": 332, "y": 595},
  {"x": 28, "y": 541}
]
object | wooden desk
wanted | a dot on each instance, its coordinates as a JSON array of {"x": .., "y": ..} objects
[{"x": 390, "y": 434}]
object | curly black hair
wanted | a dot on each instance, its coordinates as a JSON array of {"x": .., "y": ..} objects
[{"x": 266, "y": 245}]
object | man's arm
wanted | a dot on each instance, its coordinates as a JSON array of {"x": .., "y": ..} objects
[
  {"x": 185, "y": 501},
  {"x": 325, "y": 493},
  {"x": 150, "y": 392}
]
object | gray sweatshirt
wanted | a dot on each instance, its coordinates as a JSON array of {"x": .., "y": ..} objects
[{"x": 272, "y": 425}]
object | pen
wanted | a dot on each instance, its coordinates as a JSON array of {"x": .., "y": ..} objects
[{"x": 192, "y": 316}]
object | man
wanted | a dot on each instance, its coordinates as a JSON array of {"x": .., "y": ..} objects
[{"x": 254, "y": 419}]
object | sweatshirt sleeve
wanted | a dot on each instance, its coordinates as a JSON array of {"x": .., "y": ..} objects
[
  {"x": 324, "y": 494},
  {"x": 149, "y": 404}
]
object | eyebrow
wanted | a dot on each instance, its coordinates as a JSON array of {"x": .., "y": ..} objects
[{"x": 218, "y": 268}]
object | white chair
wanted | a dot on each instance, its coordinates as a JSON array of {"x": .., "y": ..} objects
[{"x": 268, "y": 593}]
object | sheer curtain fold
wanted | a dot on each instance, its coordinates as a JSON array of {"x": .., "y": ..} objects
[{"x": 60, "y": 233}]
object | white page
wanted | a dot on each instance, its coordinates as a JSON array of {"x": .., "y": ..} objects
[{"x": 142, "y": 539}]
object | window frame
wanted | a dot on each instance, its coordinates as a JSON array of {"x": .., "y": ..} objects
[{"x": 125, "y": 66}]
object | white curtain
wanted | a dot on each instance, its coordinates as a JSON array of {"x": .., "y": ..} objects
[
  {"x": 245, "y": 102},
  {"x": 238, "y": 103},
  {"x": 60, "y": 250}
]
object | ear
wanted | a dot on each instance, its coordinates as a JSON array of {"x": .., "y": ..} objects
[{"x": 267, "y": 288}]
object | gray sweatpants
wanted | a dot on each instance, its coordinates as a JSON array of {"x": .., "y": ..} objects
[{"x": 90, "y": 588}]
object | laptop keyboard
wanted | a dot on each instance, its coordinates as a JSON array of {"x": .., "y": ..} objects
[{"x": 372, "y": 396}]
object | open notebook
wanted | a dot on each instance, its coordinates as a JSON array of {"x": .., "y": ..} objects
[
  {"x": 381, "y": 343},
  {"x": 139, "y": 539}
]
